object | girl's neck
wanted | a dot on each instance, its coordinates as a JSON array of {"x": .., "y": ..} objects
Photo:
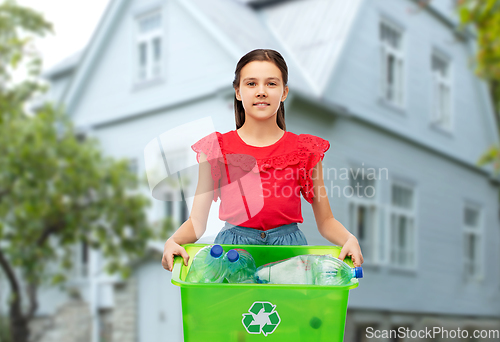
[{"x": 260, "y": 135}]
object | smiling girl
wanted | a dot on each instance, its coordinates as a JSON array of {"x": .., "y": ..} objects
[{"x": 260, "y": 145}]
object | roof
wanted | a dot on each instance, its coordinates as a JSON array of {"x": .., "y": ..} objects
[
  {"x": 66, "y": 65},
  {"x": 300, "y": 32}
]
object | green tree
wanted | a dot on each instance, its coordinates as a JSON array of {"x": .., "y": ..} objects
[
  {"x": 18, "y": 28},
  {"x": 55, "y": 191},
  {"x": 484, "y": 16}
]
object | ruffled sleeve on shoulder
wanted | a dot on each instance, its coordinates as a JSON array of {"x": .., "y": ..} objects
[
  {"x": 311, "y": 150},
  {"x": 211, "y": 146}
]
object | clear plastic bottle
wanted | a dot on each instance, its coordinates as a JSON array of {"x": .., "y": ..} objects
[
  {"x": 295, "y": 270},
  {"x": 308, "y": 270},
  {"x": 332, "y": 271},
  {"x": 208, "y": 266},
  {"x": 240, "y": 266}
]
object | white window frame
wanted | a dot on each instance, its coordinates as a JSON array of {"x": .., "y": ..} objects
[
  {"x": 152, "y": 71},
  {"x": 177, "y": 160},
  {"x": 399, "y": 97},
  {"x": 442, "y": 108},
  {"x": 393, "y": 232},
  {"x": 478, "y": 232},
  {"x": 371, "y": 204}
]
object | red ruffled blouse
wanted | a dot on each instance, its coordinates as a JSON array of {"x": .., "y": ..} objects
[{"x": 260, "y": 187}]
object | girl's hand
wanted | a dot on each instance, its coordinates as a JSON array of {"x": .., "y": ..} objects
[
  {"x": 172, "y": 248},
  {"x": 351, "y": 248}
]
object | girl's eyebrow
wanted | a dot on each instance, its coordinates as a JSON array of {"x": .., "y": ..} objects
[{"x": 253, "y": 78}]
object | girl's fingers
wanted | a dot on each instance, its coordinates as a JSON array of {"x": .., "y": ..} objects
[
  {"x": 185, "y": 256},
  {"x": 343, "y": 253},
  {"x": 169, "y": 262},
  {"x": 360, "y": 258},
  {"x": 357, "y": 260},
  {"x": 354, "y": 261},
  {"x": 164, "y": 262}
]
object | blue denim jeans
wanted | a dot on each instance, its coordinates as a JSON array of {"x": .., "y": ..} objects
[{"x": 289, "y": 234}]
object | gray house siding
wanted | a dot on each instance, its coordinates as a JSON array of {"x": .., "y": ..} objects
[
  {"x": 356, "y": 84},
  {"x": 442, "y": 186},
  {"x": 158, "y": 312}
]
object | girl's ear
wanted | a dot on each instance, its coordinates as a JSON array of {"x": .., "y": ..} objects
[
  {"x": 237, "y": 94},
  {"x": 285, "y": 94}
]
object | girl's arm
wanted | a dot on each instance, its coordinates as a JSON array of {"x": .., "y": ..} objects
[
  {"x": 194, "y": 227},
  {"x": 328, "y": 226}
]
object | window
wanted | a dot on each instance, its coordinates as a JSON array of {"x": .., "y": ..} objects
[
  {"x": 441, "y": 90},
  {"x": 472, "y": 242},
  {"x": 402, "y": 231},
  {"x": 149, "y": 44},
  {"x": 363, "y": 214},
  {"x": 82, "y": 260},
  {"x": 391, "y": 42},
  {"x": 178, "y": 185}
]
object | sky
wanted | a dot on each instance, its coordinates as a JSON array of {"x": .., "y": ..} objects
[{"x": 74, "y": 24}]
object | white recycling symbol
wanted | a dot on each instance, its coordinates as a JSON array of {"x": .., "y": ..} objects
[{"x": 262, "y": 318}]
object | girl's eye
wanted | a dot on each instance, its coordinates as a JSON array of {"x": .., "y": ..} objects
[{"x": 249, "y": 83}]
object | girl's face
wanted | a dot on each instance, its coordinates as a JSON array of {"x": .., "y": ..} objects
[{"x": 260, "y": 81}]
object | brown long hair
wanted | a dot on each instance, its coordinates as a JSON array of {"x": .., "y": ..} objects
[{"x": 260, "y": 55}]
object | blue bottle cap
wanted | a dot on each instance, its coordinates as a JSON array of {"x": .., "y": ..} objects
[
  {"x": 233, "y": 255},
  {"x": 358, "y": 271},
  {"x": 216, "y": 251}
]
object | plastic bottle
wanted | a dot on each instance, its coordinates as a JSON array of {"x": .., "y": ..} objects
[
  {"x": 208, "y": 266},
  {"x": 240, "y": 266},
  {"x": 332, "y": 271},
  {"x": 296, "y": 270},
  {"x": 308, "y": 270}
]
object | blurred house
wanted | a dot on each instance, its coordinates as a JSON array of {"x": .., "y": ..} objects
[{"x": 387, "y": 82}]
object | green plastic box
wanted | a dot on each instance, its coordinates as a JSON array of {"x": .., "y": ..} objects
[{"x": 262, "y": 312}]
